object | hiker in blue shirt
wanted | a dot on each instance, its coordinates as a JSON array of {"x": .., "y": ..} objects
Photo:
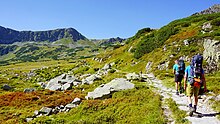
[
  {"x": 178, "y": 76},
  {"x": 194, "y": 78}
]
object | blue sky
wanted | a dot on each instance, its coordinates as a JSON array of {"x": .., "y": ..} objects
[{"x": 97, "y": 18}]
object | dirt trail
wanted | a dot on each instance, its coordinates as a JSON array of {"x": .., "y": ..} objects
[{"x": 203, "y": 104}]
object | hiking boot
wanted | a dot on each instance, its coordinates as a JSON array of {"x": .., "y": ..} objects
[
  {"x": 191, "y": 110},
  {"x": 177, "y": 93}
]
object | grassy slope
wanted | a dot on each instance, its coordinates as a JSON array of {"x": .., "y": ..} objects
[{"x": 132, "y": 106}]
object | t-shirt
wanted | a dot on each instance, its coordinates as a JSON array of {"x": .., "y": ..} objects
[
  {"x": 188, "y": 70},
  {"x": 176, "y": 68}
]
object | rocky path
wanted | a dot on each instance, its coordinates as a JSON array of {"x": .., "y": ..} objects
[{"x": 181, "y": 100}]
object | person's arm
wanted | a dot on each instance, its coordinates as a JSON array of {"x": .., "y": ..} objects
[
  {"x": 204, "y": 82},
  {"x": 174, "y": 69},
  {"x": 185, "y": 80}
]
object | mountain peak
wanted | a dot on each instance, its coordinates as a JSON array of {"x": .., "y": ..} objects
[
  {"x": 213, "y": 9},
  {"x": 8, "y": 36}
]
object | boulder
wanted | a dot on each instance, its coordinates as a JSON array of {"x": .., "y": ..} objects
[
  {"x": 164, "y": 48},
  {"x": 36, "y": 112},
  {"x": 28, "y": 119},
  {"x": 90, "y": 79},
  {"x": 132, "y": 76},
  {"x": 45, "y": 111},
  {"x": 53, "y": 86},
  {"x": 66, "y": 86},
  {"x": 70, "y": 106},
  {"x": 148, "y": 66},
  {"x": 106, "y": 67},
  {"x": 42, "y": 84},
  {"x": 76, "y": 101},
  {"x": 29, "y": 90},
  {"x": 206, "y": 27},
  {"x": 163, "y": 66},
  {"x": 186, "y": 42},
  {"x": 105, "y": 90},
  {"x": 217, "y": 98},
  {"x": 6, "y": 87},
  {"x": 62, "y": 82},
  {"x": 211, "y": 54}
]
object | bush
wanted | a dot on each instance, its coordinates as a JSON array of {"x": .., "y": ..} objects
[
  {"x": 112, "y": 71},
  {"x": 154, "y": 40}
]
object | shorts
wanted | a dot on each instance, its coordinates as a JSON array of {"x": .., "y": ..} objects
[
  {"x": 192, "y": 90},
  {"x": 178, "y": 78}
]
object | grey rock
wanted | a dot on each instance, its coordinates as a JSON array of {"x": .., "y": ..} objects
[
  {"x": 106, "y": 67},
  {"x": 70, "y": 106},
  {"x": 163, "y": 65},
  {"x": 186, "y": 42},
  {"x": 76, "y": 83},
  {"x": 63, "y": 82},
  {"x": 62, "y": 106},
  {"x": 29, "y": 90},
  {"x": 129, "y": 50},
  {"x": 39, "y": 115},
  {"x": 217, "y": 98},
  {"x": 104, "y": 91},
  {"x": 171, "y": 56},
  {"x": 132, "y": 76},
  {"x": 66, "y": 86},
  {"x": 164, "y": 48},
  {"x": 76, "y": 101},
  {"x": 207, "y": 27},
  {"x": 42, "y": 84},
  {"x": 6, "y": 87},
  {"x": 90, "y": 79},
  {"x": 213, "y": 9},
  {"x": 45, "y": 111},
  {"x": 36, "y": 112},
  {"x": 148, "y": 66},
  {"x": 28, "y": 119},
  {"x": 211, "y": 54}
]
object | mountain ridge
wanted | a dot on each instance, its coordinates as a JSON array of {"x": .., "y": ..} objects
[{"x": 9, "y": 36}]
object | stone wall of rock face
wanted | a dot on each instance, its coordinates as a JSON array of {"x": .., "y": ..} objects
[{"x": 211, "y": 54}]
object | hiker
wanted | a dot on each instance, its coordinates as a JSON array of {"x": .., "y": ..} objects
[
  {"x": 178, "y": 70},
  {"x": 193, "y": 79}
]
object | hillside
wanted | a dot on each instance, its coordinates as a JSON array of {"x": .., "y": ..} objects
[
  {"x": 9, "y": 36},
  {"x": 152, "y": 99}
]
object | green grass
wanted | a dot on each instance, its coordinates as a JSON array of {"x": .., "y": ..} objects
[
  {"x": 130, "y": 106},
  {"x": 178, "y": 115},
  {"x": 213, "y": 82}
]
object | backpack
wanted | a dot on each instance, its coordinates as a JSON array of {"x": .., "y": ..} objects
[
  {"x": 196, "y": 70},
  {"x": 181, "y": 68}
]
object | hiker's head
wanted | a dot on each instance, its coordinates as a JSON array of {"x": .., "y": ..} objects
[{"x": 176, "y": 61}]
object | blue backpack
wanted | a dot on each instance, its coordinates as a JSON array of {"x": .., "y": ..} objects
[
  {"x": 196, "y": 69},
  {"x": 181, "y": 68}
]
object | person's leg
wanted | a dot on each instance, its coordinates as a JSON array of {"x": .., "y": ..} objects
[
  {"x": 176, "y": 84},
  {"x": 180, "y": 84},
  {"x": 189, "y": 93},
  {"x": 196, "y": 93}
]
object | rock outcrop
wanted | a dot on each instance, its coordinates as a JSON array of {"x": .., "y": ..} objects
[
  {"x": 46, "y": 111},
  {"x": 105, "y": 90},
  {"x": 210, "y": 10},
  {"x": 62, "y": 82},
  {"x": 9, "y": 36},
  {"x": 211, "y": 54}
]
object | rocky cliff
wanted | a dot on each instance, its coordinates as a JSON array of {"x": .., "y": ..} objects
[
  {"x": 213, "y": 9},
  {"x": 9, "y": 36}
]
